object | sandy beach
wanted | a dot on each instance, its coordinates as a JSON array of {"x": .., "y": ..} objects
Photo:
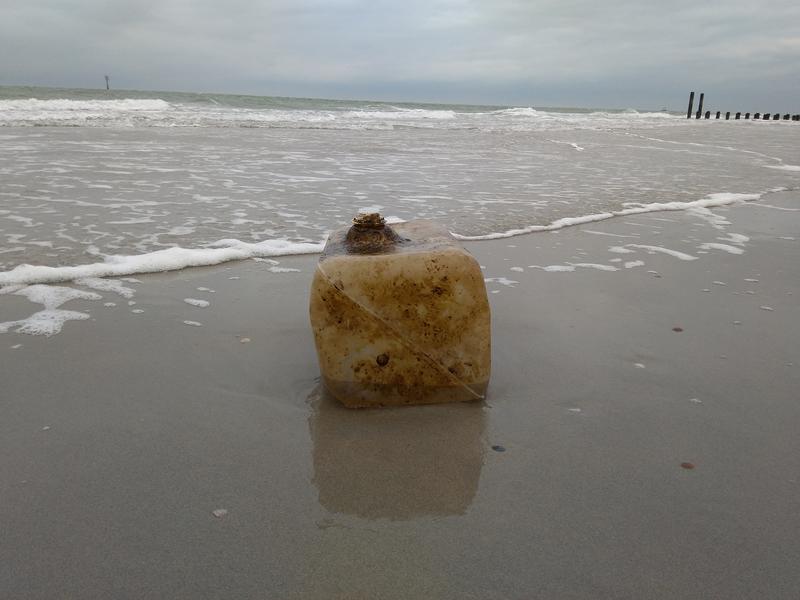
[
  {"x": 639, "y": 439},
  {"x": 175, "y": 299}
]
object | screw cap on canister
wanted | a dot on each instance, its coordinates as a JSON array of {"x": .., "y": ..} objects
[{"x": 370, "y": 234}]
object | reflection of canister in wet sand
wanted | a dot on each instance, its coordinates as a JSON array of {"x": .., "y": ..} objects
[{"x": 396, "y": 463}]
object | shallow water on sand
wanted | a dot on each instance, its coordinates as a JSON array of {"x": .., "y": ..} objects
[{"x": 74, "y": 194}]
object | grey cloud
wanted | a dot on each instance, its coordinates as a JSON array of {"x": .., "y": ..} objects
[{"x": 504, "y": 51}]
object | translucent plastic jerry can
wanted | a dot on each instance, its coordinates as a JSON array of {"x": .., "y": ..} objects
[{"x": 400, "y": 316}]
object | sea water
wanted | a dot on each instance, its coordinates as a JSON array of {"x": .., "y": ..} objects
[{"x": 98, "y": 183}]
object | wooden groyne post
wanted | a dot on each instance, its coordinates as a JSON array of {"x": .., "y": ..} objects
[{"x": 738, "y": 115}]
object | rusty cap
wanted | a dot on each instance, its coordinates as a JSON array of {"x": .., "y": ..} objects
[
  {"x": 369, "y": 220},
  {"x": 370, "y": 235}
]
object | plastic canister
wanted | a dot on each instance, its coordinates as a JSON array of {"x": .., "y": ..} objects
[{"x": 400, "y": 316}]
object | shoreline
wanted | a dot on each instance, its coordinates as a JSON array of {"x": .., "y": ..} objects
[{"x": 223, "y": 251}]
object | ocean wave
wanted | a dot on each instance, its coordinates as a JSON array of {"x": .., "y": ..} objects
[
  {"x": 155, "y": 112},
  {"x": 400, "y": 113},
  {"x": 630, "y": 113},
  {"x": 517, "y": 112},
  {"x": 62, "y": 104}
]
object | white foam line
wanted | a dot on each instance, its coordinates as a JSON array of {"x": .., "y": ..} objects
[
  {"x": 730, "y": 148},
  {"x": 784, "y": 167},
  {"x": 780, "y": 208},
  {"x": 554, "y": 268},
  {"x": 501, "y": 281},
  {"x": 170, "y": 259},
  {"x": 720, "y": 199},
  {"x": 569, "y": 267},
  {"x": 726, "y": 247},
  {"x": 675, "y": 253},
  {"x": 716, "y": 221},
  {"x": 594, "y": 266},
  {"x": 735, "y": 238},
  {"x": 196, "y": 302},
  {"x": 619, "y": 235}
]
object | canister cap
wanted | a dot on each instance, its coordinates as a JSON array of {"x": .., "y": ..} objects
[
  {"x": 370, "y": 235},
  {"x": 369, "y": 220}
]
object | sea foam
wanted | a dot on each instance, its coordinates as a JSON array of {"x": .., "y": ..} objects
[
  {"x": 123, "y": 104},
  {"x": 719, "y": 199},
  {"x": 176, "y": 258},
  {"x": 724, "y": 247},
  {"x": 170, "y": 259},
  {"x": 49, "y": 321},
  {"x": 196, "y": 302},
  {"x": 674, "y": 253}
]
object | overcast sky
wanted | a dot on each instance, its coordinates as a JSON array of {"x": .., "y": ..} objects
[{"x": 643, "y": 54}]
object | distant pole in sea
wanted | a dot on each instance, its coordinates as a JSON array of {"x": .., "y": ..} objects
[
  {"x": 691, "y": 104},
  {"x": 107, "y": 78}
]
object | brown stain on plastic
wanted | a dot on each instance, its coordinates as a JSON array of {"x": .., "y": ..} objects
[{"x": 410, "y": 325}]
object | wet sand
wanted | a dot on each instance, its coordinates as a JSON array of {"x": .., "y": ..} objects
[{"x": 615, "y": 456}]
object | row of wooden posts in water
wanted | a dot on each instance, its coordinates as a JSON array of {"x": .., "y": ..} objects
[{"x": 738, "y": 115}]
